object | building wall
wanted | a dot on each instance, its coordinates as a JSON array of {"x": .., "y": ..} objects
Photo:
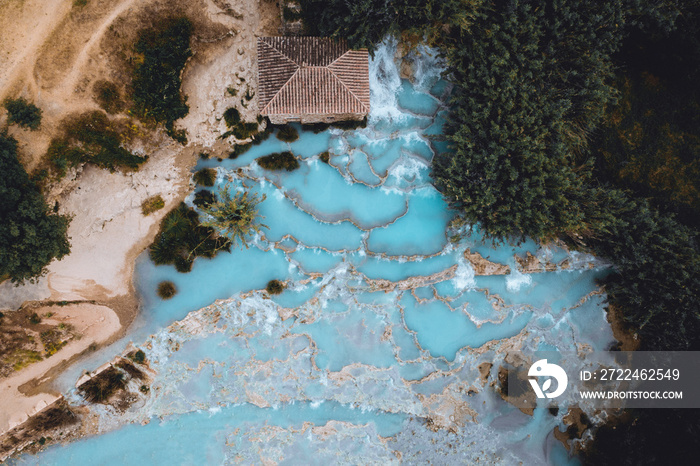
[{"x": 315, "y": 118}]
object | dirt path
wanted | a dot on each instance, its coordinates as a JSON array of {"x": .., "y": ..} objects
[
  {"x": 25, "y": 27},
  {"x": 68, "y": 84}
]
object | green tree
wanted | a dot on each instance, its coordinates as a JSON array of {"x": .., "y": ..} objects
[
  {"x": 23, "y": 113},
  {"x": 30, "y": 235},
  {"x": 234, "y": 216},
  {"x": 531, "y": 83},
  {"x": 163, "y": 49}
]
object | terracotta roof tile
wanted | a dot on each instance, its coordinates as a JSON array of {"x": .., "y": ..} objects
[{"x": 311, "y": 75}]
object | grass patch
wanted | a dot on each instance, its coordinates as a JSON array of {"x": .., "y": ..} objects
[
  {"x": 287, "y": 133},
  {"x": 23, "y": 113},
  {"x": 162, "y": 52},
  {"x": 152, "y": 204},
  {"x": 166, "y": 290},
  {"x": 278, "y": 161},
  {"x": 274, "y": 287},
  {"x": 22, "y": 358},
  {"x": 52, "y": 341},
  {"x": 182, "y": 238},
  {"x": 204, "y": 198},
  {"x": 90, "y": 138},
  {"x": 205, "y": 177},
  {"x": 107, "y": 96},
  {"x": 102, "y": 386}
]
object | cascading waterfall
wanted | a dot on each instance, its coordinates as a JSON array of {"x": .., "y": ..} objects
[{"x": 372, "y": 352}]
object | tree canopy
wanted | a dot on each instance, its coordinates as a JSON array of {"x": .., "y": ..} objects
[{"x": 31, "y": 236}]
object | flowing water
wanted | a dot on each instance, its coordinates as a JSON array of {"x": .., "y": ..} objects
[{"x": 371, "y": 353}]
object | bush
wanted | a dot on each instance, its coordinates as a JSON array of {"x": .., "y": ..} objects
[
  {"x": 287, "y": 133},
  {"x": 345, "y": 125},
  {"x": 239, "y": 149},
  {"x": 182, "y": 238},
  {"x": 166, "y": 290},
  {"x": 107, "y": 96},
  {"x": 325, "y": 157},
  {"x": 139, "y": 357},
  {"x": 163, "y": 51},
  {"x": 90, "y": 138},
  {"x": 23, "y": 113},
  {"x": 204, "y": 198},
  {"x": 239, "y": 129},
  {"x": 205, "y": 177},
  {"x": 232, "y": 117},
  {"x": 34, "y": 319},
  {"x": 274, "y": 287},
  {"x": 31, "y": 235},
  {"x": 152, "y": 204},
  {"x": 278, "y": 161}
]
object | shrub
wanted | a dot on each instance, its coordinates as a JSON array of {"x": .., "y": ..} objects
[
  {"x": 34, "y": 319},
  {"x": 234, "y": 216},
  {"x": 166, "y": 290},
  {"x": 325, "y": 157},
  {"x": 345, "y": 125},
  {"x": 287, "y": 133},
  {"x": 90, "y": 138},
  {"x": 239, "y": 129},
  {"x": 139, "y": 357},
  {"x": 204, "y": 198},
  {"x": 182, "y": 238},
  {"x": 274, "y": 287},
  {"x": 205, "y": 177},
  {"x": 278, "y": 161},
  {"x": 107, "y": 96},
  {"x": 232, "y": 117},
  {"x": 239, "y": 149},
  {"x": 23, "y": 113},
  {"x": 152, "y": 204},
  {"x": 163, "y": 51}
]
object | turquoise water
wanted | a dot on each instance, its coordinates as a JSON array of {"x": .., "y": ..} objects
[{"x": 382, "y": 325}]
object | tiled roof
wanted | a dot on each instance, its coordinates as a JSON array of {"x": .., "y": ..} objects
[{"x": 311, "y": 75}]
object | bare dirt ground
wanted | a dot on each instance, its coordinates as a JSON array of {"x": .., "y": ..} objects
[{"x": 52, "y": 52}]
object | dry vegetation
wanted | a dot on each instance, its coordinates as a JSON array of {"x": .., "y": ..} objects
[{"x": 27, "y": 337}]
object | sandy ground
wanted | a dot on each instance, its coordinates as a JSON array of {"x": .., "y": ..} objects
[
  {"x": 51, "y": 52},
  {"x": 94, "y": 323}
]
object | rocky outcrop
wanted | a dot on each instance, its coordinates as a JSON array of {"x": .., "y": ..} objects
[{"x": 485, "y": 267}]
